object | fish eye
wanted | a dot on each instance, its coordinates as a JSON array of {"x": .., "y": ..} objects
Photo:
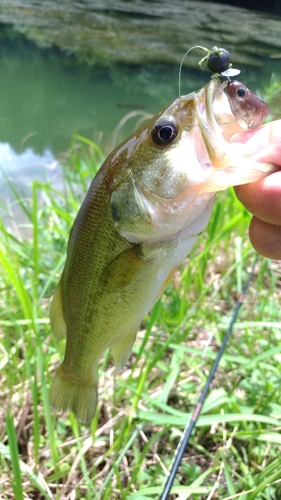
[
  {"x": 164, "y": 133},
  {"x": 241, "y": 92}
]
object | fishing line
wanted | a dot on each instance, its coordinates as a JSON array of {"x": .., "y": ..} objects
[
  {"x": 191, "y": 424},
  {"x": 187, "y": 52},
  {"x": 217, "y": 62}
]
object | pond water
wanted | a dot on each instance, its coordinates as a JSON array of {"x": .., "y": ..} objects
[
  {"x": 45, "y": 99},
  {"x": 48, "y": 94}
]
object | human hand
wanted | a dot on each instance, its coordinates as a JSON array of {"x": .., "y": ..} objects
[{"x": 263, "y": 198}]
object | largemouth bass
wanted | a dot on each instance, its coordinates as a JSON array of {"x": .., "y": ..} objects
[{"x": 143, "y": 213}]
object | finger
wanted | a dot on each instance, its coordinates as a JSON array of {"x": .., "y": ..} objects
[
  {"x": 264, "y": 143},
  {"x": 263, "y": 198},
  {"x": 266, "y": 238}
]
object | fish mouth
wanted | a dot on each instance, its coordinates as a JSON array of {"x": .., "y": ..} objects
[{"x": 232, "y": 161}]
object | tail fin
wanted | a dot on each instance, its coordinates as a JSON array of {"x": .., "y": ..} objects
[{"x": 70, "y": 394}]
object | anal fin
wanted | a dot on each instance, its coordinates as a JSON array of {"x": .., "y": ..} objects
[
  {"x": 58, "y": 324},
  {"x": 121, "y": 351}
]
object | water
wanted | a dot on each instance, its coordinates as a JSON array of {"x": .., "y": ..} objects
[
  {"x": 45, "y": 98},
  {"x": 43, "y": 101}
]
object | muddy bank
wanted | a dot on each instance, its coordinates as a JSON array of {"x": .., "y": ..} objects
[{"x": 144, "y": 32}]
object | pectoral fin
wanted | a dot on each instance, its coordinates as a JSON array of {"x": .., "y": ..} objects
[
  {"x": 122, "y": 270},
  {"x": 121, "y": 351}
]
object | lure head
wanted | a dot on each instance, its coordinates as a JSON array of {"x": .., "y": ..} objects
[
  {"x": 164, "y": 176},
  {"x": 218, "y": 59}
]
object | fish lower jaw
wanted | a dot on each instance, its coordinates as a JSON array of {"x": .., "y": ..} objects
[{"x": 239, "y": 171}]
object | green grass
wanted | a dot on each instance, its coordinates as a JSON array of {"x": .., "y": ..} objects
[{"x": 126, "y": 451}]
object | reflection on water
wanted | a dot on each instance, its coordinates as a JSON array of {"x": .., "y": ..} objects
[
  {"x": 18, "y": 168},
  {"x": 16, "y": 174}
]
